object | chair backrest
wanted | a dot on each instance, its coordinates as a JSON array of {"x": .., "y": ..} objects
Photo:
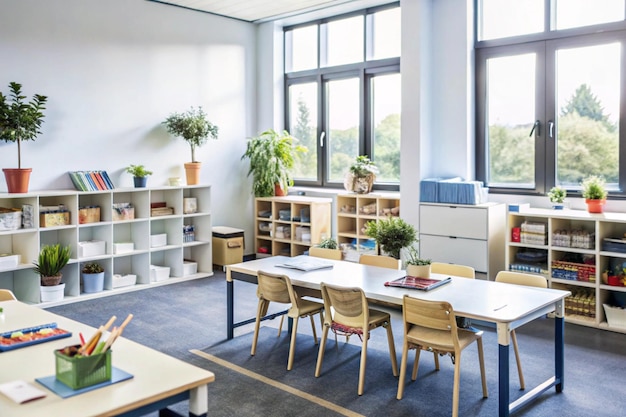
[
  {"x": 7, "y": 295},
  {"x": 276, "y": 288},
  {"x": 436, "y": 315},
  {"x": 345, "y": 305},
  {"x": 379, "y": 260},
  {"x": 520, "y": 278},
  {"x": 453, "y": 269},
  {"x": 325, "y": 253}
]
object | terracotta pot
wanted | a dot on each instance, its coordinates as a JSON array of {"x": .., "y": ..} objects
[
  {"x": 17, "y": 179},
  {"x": 595, "y": 206},
  {"x": 192, "y": 172},
  {"x": 278, "y": 191}
]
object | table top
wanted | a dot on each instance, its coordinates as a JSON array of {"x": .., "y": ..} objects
[
  {"x": 474, "y": 298},
  {"x": 156, "y": 375}
]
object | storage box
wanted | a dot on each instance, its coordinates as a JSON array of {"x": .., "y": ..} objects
[
  {"x": 88, "y": 215},
  {"x": 190, "y": 205},
  {"x": 83, "y": 371},
  {"x": 58, "y": 218},
  {"x": 122, "y": 211},
  {"x": 9, "y": 261},
  {"x": 228, "y": 245},
  {"x": 118, "y": 280},
  {"x": 189, "y": 268},
  {"x": 123, "y": 247},
  {"x": 10, "y": 219},
  {"x": 158, "y": 240},
  {"x": 159, "y": 273},
  {"x": 615, "y": 316},
  {"x": 91, "y": 248}
]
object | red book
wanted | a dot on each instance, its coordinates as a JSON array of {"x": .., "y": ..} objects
[
  {"x": 418, "y": 283},
  {"x": 95, "y": 181}
]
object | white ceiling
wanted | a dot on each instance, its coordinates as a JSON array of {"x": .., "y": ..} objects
[{"x": 258, "y": 11}]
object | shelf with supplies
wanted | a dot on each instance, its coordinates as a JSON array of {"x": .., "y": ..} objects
[
  {"x": 290, "y": 225},
  {"x": 353, "y": 213},
  {"x": 119, "y": 229},
  {"x": 582, "y": 252}
]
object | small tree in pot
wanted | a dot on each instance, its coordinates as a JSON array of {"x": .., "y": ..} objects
[{"x": 391, "y": 235}]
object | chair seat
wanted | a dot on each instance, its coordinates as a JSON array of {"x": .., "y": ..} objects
[
  {"x": 440, "y": 339},
  {"x": 307, "y": 307}
]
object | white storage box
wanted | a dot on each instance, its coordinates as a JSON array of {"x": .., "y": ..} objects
[
  {"x": 189, "y": 268},
  {"x": 615, "y": 316},
  {"x": 10, "y": 219},
  {"x": 8, "y": 261},
  {"x": 123, "y": 247},
  {"x": 159, "y": 273},
  {"x": 119, "y": 280},
  {"x": 158, "y": 240},
  {"x": 91, "y": 248}
]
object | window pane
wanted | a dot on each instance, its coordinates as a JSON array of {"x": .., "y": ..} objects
[
  {"x": 386, "y": 34},
  {"x": 303, "y": 51},
  {"x": 344, "y": 43},
  {"x": 510, "y": 118},
  {"x": 504, "y": 18},
  {"x": 343, "y": 125},
  {"x": 576, "y": 13},
  {"x": 588, "y": 90},
  {"x": 386, "y": 126},
  {"x": 303, "y": 125}
]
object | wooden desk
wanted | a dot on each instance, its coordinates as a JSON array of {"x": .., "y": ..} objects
[
  {"x": 159, "y": 380},
  {"x": 508, "y": 306}
]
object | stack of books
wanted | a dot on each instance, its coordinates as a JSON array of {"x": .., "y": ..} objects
[{"x": 91, "y": 180}]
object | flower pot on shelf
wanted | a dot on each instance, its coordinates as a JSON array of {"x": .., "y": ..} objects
[
  {"x": 50, "y": 293},
  {"x": 17, "y": 179},
  {"x": 595, "y": 206},
  {"x": 140, "y": 182},
  {"x": 278, "y": 191},
  {"x": 192, "y": 172},
  {"x": 93, "y": 282}
]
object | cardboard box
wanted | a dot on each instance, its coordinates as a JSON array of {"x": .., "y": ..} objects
[
  {"x": 59, "y": 218},
  {"x": 123, "y": 247},
  {"x": 159, "y": 273},
  {"x": 158, "y": 240},
  {"x": 91, "y": 248},
  {"x": 189, "y": 268},
  {"x": 88, "y": 215},
  {"x": 118, "y": 280}
]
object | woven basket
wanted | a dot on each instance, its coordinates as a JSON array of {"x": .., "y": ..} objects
[
  {"x": 360, "y": 185},
  {"x": 50, "y": 281}
]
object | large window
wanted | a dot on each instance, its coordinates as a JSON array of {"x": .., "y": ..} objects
[
  {"x": 549, "y": 94},
  {"x": 342, "y": 79}
]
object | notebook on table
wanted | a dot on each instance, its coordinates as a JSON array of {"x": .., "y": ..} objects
[
  {"x": 418, "y": 283},
  {"x": 305, "y": 263}
]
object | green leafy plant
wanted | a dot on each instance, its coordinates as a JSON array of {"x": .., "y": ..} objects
[
  {"x": 413, "y": 258},
  {"x": 391, "y": 234},
  {"x": 92, "y": 268},
  {"x": 362, "y": 167},
  {"x": 138, "y": 171},
  {"x": 557, "y": 195},
  {"x": 328, "y": 243},
  {"x": 193, "y": 126},
  {"x": 272, "y": 157},
  {"x": 594, "y": 188},
  {"x": 20, "y": 120},
  {"x": 51, "y": 259}
]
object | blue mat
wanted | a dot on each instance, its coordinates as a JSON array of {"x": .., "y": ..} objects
[{"x": 63, "y": 391}]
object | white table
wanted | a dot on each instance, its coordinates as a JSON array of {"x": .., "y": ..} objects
[
  {"x": 159, "y": 380},
  {"x": 508, "y": 306}
]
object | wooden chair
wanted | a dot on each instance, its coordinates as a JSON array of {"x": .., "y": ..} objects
[
  {"x": 520, "y": 278},
  {"x": 379, "y": 260},
  {"x": 453, "y": 269},
  {"x": 335, "y": 254},
  {"x": 347, "y": 313},
  {"x": 278, "y": 288},
  {"x": 431, "y": 325},
  {"x": 7, "y": 295}
]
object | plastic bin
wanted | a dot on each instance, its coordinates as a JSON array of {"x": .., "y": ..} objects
[
  {"x": 228, "y": 245},
  {"x": 83, "y": 371}
]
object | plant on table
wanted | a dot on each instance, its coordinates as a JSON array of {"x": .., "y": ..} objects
[{"x": 328, "y": 243}]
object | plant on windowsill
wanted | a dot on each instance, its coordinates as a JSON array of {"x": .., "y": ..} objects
[
  {"x": 557, "y": 196},
  {"x": 272, "y": 156},
  {"x": 594, "y": 192},
  {"x": 196, "y": 129},
  {"x": 391, "y": 235},
  {"x": 140, "y": 175},
  {"x": 361, "y": 175},
  {"x": 20, "y": 121}
]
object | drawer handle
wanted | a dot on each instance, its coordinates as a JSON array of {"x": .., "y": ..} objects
[
  {"x": 233, "y": 244},
  {"x": 452, "y": 237}
]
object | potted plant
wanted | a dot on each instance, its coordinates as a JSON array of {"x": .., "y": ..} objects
[
  {"x": 594, "y": 192},
  {"x": 272, "y": 157},
  {"x": 557, "y": 196},
  {"x": 391, "y": 235},
  {"x": 361, "y": 175},
  {"x": 140, "y": 175},
  {"x": 196, "y": 129},
  {"x": 93, "y": 277},
  {"x": 416, "y": 266},
  {"x": 20, "y": 121},
  {"x": 50, "y": 262}
]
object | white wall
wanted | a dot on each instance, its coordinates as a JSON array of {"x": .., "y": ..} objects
[{"x": 113, "y": 70}]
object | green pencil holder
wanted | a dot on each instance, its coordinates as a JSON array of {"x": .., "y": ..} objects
[{"x": 83, "y": 371}]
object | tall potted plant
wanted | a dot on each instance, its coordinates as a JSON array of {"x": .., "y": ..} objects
[
  {"x": 594, "y": 192},
  {"x": 20, "y": 121},
  {"x": 50, "y": 262},
  {"x": 196, "y": 129},
  {"x": 272, "y": 157}
]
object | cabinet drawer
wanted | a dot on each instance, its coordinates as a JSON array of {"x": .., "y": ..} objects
[
  {"x": 460, "y": 251},
  {"x": 454, "y": 221}
]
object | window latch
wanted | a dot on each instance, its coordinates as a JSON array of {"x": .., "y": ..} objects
[
  {"x": 322, "y": 135},
  {"x": 535, "y": 126},
  {"x": 550, "y": 129}
]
